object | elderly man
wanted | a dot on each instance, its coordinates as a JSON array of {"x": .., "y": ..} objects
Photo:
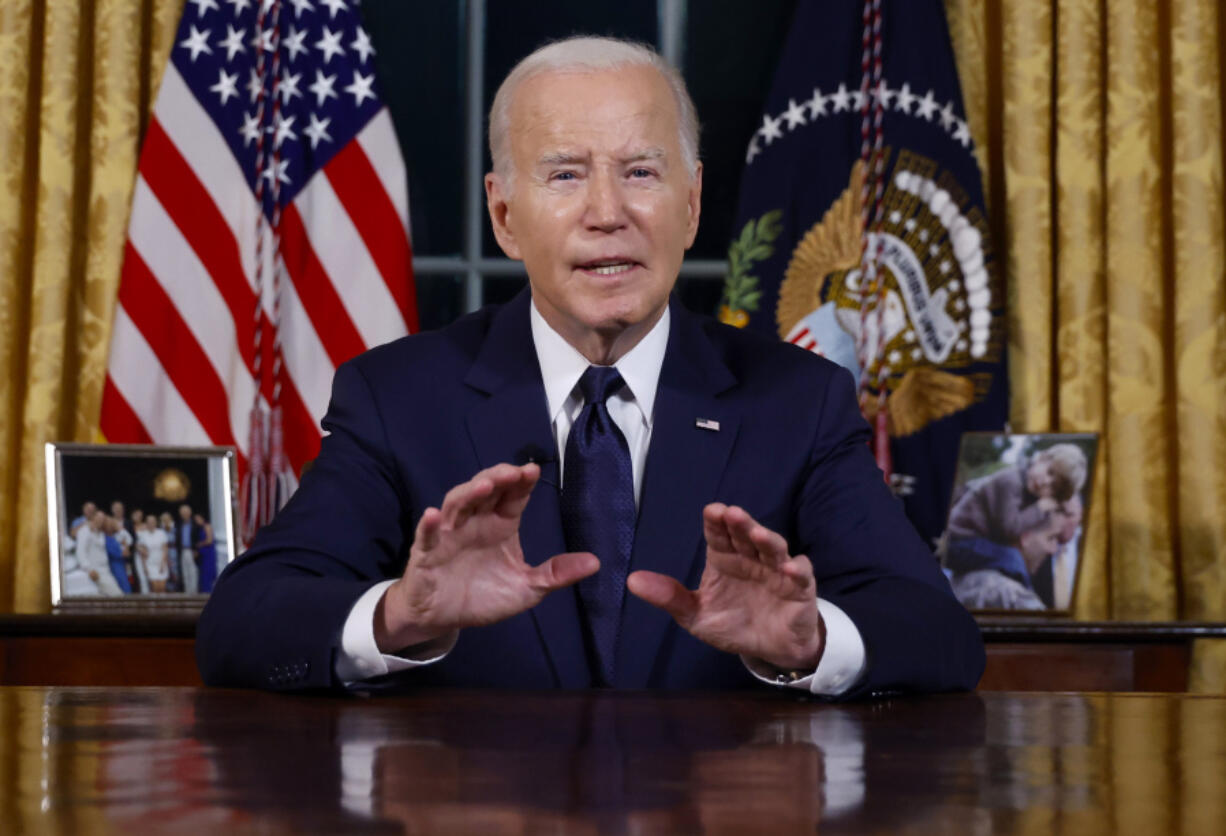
[{"x": 488, "y": 494}]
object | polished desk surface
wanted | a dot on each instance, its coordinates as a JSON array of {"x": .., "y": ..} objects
[{"x": 117, "y": 760}]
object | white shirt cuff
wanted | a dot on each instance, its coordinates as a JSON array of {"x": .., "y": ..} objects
[
  {"x": 841, "y": 666},
  {"x": 359, "y": 656}
]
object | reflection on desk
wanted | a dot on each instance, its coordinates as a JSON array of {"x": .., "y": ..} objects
[{"x": 84, "y": 760}]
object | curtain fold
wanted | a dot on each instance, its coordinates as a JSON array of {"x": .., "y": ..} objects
[
  {"x": 1100, "y": 127},
  {"x": 75, "y": 86}
]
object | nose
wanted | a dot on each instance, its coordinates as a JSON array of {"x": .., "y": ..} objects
[{"x": 605, "y": 207}]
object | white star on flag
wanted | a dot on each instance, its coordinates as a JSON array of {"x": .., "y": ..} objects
[
  {"x": 197, "y": 42},
  {"x": 289, "y": 86},
  {"x": 817, "y": 104},
  {"x": 883, "y": 93},
  {"x": 770, "y": 129},
  {"x": 754, "y": 149},
  {"x": 795, "y": 114},
  {"x": 203, "y": 6},
  {"x": 283, "y": 129},
  {"x": 334, "y": 6},
  {"x": 361, "y": 45},
  {"x": 841, "y": 99},
  {"x": 360, "y": 87},
  {"x": 233, "y": 42},
  {"x": 293, "y": 43},
  {"x": 276, "y": 171},
  {"x": 962, "y": 133},
  {"x": 330, "y": 44},
  {"x": 254, "y": 85},
  {"x": 238, "y": 6},
  {"x": 927, "y": 106},
  {"x": 226, "y": 86},
  {"x": 317, "y": 130},
  {"x": 947, "y": 116},
  {"x": 322, "y": 87},
  {"x": 905, "y": 99},
  {"x": 250, "y": 130},
  {"x": 300, "y": 6}
]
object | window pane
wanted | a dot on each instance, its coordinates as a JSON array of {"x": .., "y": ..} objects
[
  {"x": 700, "y": 294},
  {"x": 420, "y": 59},
  {"x": 499, "y": 289},
  {"x": 440, "y": 299},
  {"x": 513, "y": 29},
  {"x": 730, "y": 54}
]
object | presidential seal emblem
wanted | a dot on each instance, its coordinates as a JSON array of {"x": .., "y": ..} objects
[{"x": 926, "y": 321}]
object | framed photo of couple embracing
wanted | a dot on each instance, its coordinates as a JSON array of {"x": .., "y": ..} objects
[{"x": 1014, "y": 538}]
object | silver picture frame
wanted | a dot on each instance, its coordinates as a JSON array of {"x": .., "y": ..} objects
[{"x": 104, "y": 552}]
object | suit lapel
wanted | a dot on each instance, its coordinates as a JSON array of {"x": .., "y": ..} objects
[
  {"x": 512, "y": 425},
  {"x": 684, "y": 465}
]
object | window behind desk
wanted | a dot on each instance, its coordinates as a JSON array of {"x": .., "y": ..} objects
[{"x": 440, "y": 63}]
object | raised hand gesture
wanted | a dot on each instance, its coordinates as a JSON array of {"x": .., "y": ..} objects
[
  {"x": 754, "y": 599},
  {"x": 466, "y": 566}
]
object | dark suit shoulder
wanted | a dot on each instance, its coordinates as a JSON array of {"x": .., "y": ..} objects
[{"x": 454, "y": 345}]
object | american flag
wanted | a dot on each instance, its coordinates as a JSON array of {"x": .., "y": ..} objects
[{"x": 270, "y": 172}]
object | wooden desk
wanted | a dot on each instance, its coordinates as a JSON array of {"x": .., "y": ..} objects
[
  {"x": 81, "y": 760},
  {"x": 1023, "y": 654}
]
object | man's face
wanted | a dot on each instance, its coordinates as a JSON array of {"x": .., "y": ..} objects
[
  {"x": 88, "y": 509},
  {"x": 117, "y": 510},
  {"x": 601, "y": 208},
  {"x": 185, "y": 512}
]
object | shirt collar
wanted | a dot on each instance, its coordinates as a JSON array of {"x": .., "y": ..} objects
[{"x": 562, "y": 365}]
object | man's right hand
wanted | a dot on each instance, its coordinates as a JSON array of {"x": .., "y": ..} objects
[{"x": 466, "y": 567}]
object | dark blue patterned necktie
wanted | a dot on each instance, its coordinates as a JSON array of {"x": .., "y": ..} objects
[{"x": 598, "y": 511}]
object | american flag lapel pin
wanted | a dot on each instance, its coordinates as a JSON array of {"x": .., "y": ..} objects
[{"x": 707, "y": 424}]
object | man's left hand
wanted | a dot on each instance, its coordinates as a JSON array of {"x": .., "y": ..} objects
[{"x": 754, "y": 598}]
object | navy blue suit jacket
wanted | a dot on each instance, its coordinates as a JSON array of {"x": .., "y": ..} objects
[{"x": 410, "y": 420}]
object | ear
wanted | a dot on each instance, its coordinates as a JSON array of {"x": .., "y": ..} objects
[
  {"x": 498, "y": 204},
  {"x": 695, "y": 206}
]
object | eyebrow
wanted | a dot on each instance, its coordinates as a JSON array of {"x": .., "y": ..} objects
[{"x": 564, "y": 158}]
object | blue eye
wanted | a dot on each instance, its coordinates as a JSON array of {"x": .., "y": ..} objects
[
  {"x": 564, "y": 175},
  {"x": 641, "y": 172}
]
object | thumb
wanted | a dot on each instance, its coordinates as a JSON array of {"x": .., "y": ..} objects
[
  {"x": 666, "y": 593},
  {"x": 562, "y": 570}
]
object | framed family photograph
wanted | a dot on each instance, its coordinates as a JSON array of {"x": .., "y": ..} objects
[
  {"x": 139, "y": 526},
  {"x": 1014, "y": 536}
]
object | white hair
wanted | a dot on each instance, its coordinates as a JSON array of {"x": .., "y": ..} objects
[{"x": 589, "y": 54}]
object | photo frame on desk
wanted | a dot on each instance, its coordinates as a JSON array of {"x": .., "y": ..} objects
[
  {"x": 1014, "y": 537},
  {"x": 139, "y": 527}
]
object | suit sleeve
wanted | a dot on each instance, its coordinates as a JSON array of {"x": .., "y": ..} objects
[
  {"x": 275, "y": 617},
  {"x": 871, "y": 563}
]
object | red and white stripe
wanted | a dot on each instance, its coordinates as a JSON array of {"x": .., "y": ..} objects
[{"x": 182, "y": 368}]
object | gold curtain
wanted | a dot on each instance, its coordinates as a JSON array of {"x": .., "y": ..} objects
[
  {"x": 76, "y": 84},
  {"x": 1099, "y": 127}
]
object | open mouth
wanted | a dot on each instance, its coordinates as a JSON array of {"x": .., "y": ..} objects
[{"x": 609, "y": 266}]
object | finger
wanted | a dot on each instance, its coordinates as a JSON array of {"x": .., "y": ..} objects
[
  {"x": 426, "y": 538},
  {"x": 714, "y": 529},
  {"x": 755, "y": 540},
  {"x": 505, "y": 477},
  {"x": 514, "y": 498},
  {"x": 800, "y": 570},
  {"x": 666, "y": 593},
  {"x": 740, "y": 525},
  {"x": 457, "y": 504},
  {"x": 562, "y": 570},
  {"x": 772, "y": 548}
]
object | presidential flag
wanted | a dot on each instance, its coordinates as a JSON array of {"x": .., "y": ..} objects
[
  {"x": 862, "y": 235},
  {"x": 268, "y": 241}
]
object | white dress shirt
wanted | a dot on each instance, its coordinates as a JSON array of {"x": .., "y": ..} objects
[{"x": 632, "y": 409}]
